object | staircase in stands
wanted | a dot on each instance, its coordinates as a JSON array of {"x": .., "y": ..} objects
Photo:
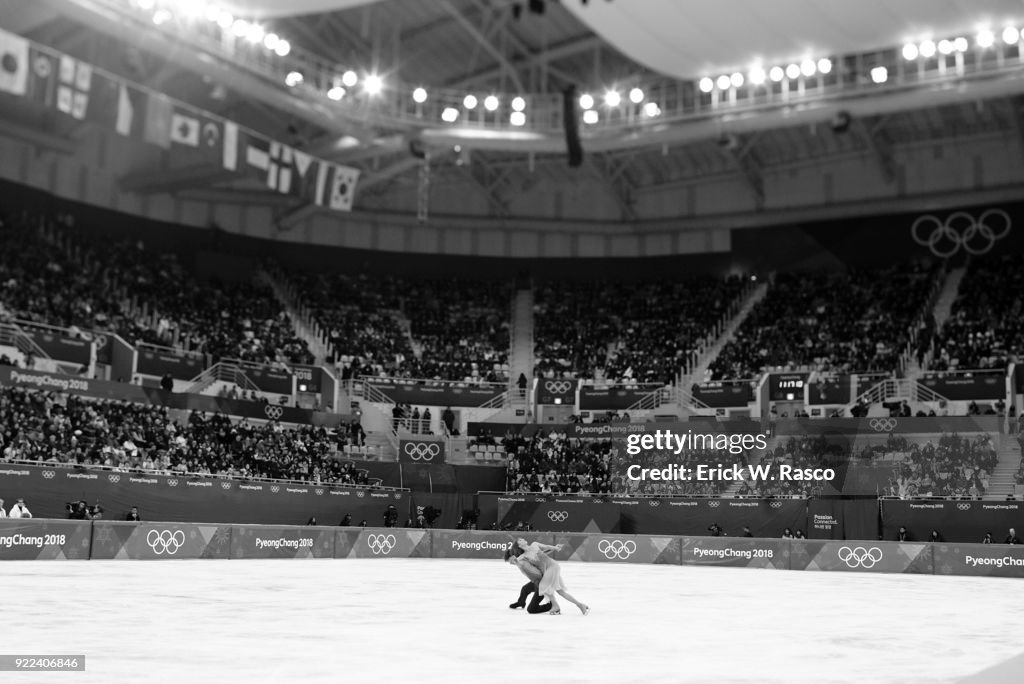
[
  {"x": 941, "y": 311},
  {"x": 303, "y": 327},
  {"x": 1003, "y": 479},
  {"x": 521, "y": 344},
  {"x": 700, "y": 368}
]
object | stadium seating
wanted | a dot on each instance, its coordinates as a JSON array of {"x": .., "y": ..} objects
[
  {"x": 640, "y": 332},
  {"x": 40, "y": 283},
  {"x": 58, "y": 428},
  {"x": 457, "y": 329},
  {"x": 861, "y": 320},
  {"x": 556, "y": 464},
  {"x": 986, "y": 327}
]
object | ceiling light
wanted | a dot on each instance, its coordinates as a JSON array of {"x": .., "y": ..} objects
[
  {"x": 776, "y": 74},
  {"x": 612, "y": 98},
  {"x": 946, "y": 47},
  {"x": 469, "y": 102},
  {"x": 449, "y": 115},
  {"x": 517, "y": 119},
  {"x": 1011, "y": 35},
  {"x": 960, "y": 44},
  {"x": 282, "y": 48},
  {"x": 636, "y": 96},
  {"x": 706, "y": 84},
  {"x": 792, "y": 72},
  {"x": 271, "y": 40},
  {"x": 590, "y": 116},
  {"x": 225, "y": 20},
  {"x": 518, "y": 104},
  {"x": 722, "y": 82},
  {"x": 736, "y": 80},
  {"x": 927, "y": 49},
  {"x": 586, "y": 101},
  {"x": 910, "y": 51},
  {"x": 240, "y": 27},
  {"x": 757, "y": 75},
  {"x": 419, "y": 96},
  {"x": 808, "y": 67},
  {"x": 336, "y": 93},
  {"x": 652, "y": 109},
  {"x": 985, "y": 38},
  {"x": 373, "y": 84},
  {"x": 824, "y": 65},
  {"x": 293, "y": 79},
  {"x": 879, "y": 74},
  {"x": 491, "y": 103},
  {"x": 349, "y": 79}
]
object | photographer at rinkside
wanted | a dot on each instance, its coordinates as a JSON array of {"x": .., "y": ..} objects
[
  {"x": 391, "y": 517},
  {"x": 78, "y": 510},
  {"x": 133, "y": 515}
]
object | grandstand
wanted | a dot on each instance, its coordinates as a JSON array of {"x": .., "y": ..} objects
[{"x": 451, "y": 269}]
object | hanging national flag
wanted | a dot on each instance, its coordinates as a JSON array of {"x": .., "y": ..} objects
[
  {"x": 75, "y": 84},
  {"x": 125, "y": 111},
  {"x": 157, "y": 128},
  {"x": 336, "y": 186},
  {"x": 257, "y": 155},
  {"x": 229, "y": 157},
  {"x": 185, "y": 129},
  {"x": 13, "y": 63},
  {"x": 42, "y": 78}
]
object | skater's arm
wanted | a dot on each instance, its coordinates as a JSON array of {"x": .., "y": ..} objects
[{"x": 548, "y": 549}]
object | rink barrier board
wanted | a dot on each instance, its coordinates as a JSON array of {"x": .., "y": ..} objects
[{"x": 45, "y": 539}]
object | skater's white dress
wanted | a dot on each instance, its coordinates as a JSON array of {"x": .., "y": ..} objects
[{"x": 551, "y": 573}]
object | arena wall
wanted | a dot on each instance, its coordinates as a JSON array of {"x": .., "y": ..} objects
[{"x": 39, "y": 539}]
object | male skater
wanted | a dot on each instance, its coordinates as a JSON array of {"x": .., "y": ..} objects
[{"x": 532, "y": 574}]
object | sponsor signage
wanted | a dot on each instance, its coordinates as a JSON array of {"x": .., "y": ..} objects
[
  {"x": 556, "y": 391},
  {"x": 274, "y": 541},
  {"x": 420, "y": 451},
  {"x": 178, "y": 364},
  {"x": 967, "y": 386},
  {"x": 737, "y": 552},
  {"x": 103, "y": 389},
  {"x": 612, "y": 399},
  {"x": 724, "y": 394},
  {"x": 440, "y": 395},
  {"x": 61, "y": 347},
  {"x": 992, "y": 560},
  {"x": 267, "y": 379},
  {"x": 40, "y": 539}
]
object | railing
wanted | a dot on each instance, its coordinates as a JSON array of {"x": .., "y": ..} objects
[
  {"x": 207, "y": 476},
  {"x": 16, "y": 337},
  {"x": 673, "y": 100}
]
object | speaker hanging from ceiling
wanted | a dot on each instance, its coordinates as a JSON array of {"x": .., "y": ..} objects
[{"x": 571, "y": 125}]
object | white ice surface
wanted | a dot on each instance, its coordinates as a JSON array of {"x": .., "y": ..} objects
[{"x": 428, "y": 620}]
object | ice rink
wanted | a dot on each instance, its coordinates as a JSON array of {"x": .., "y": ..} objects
[{"x": 425, "y": 620}]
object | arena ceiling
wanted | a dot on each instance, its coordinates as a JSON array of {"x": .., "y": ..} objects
[{"x": 501, "y": 45}]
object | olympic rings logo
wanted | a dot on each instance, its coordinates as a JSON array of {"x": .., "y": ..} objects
[
  {"x": 318, "y": 491},
  {"x": 714, "y": 504},
  {"x": 775, "y": 504},
  {"x": 225, "y": 485},
  {"x": 557, "y": 386},
  {"x": 114, "y": 478},
  {"x": 882, "y": 424},
  {"x": 172, "y": 483},
  {"x": 961, "y": 230},
  {"x": 616, "y": 548},
  {"x": 422, "y": 451},
  {"x": 380, "y": 544},
  {"x": 860, "y": 557},
  {"x": 165, "y": 541},
  {"x": 49, "y": 474},
  {"x": 274, "y": 489},
  {"x": 360, "y": 493},
  {"x": 273, "y": 412},
  {"x": 558, "y": 516},
  {"x": 963, "y": 506},
  {"x": 653, "y": 502}
]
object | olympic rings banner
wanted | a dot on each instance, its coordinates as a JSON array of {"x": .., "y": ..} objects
[
  {"x": 607, "y": 548},
  {"x": 420, "y": 451},
  {"x": 280, "y": 541},
  {"x": 159, "y": 541},
  {"x": 556, "y": 391},
  {"x": 35, "y": 539},
  {"x": 384, "y": 542},
  {"x": 861, "y": 556}
]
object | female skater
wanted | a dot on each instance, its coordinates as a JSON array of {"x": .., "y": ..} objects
[{"x": 551, "y": 574}]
